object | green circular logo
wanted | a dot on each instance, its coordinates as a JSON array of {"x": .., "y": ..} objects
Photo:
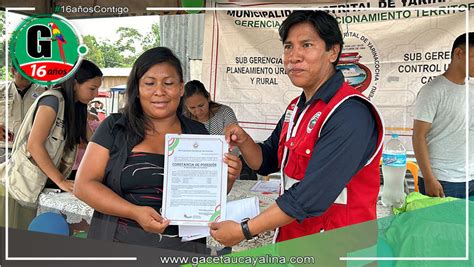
[{"x": 46, "y": 49}]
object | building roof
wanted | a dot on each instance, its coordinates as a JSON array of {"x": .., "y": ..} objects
[{"x": 116, "y": 72}]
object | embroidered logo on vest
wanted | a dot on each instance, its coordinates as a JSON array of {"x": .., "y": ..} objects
[
  {"x": 34, "y": 95},
  {"x": 288, "y": 113},
  {"x": 313, "y": 121}
]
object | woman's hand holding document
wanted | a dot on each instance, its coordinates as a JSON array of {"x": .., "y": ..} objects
[{"x": 195, "y": 179}]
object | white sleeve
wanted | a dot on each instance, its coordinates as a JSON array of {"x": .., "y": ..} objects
[{"x": 229, "y": 115}]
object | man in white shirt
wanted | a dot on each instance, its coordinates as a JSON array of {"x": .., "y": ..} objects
[{"x": 439, "y": 129}]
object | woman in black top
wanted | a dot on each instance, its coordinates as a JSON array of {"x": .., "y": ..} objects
[{"x": 121, "y": 174}]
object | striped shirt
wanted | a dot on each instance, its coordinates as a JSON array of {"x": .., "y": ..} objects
[{"x": 223, "y": 117}]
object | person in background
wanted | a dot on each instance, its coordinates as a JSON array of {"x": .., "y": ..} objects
[
  {"x": 121, "y": 174},
  {"x": 327, "y": 144},
  {"x": 215, "y": 117},
  {"x": 93, "y": 123},
  {"x": 92, "y": 108},
  {"x": 21, "y": 95},
  {"x": 101, "y": 112},
  {"x": 97, "y": 108},
  {"x": 439, "y": 132},
  {"x": 49, "y": 140},
  {"x": 199, "y": 106}
]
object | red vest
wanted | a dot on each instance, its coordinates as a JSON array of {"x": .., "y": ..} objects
[{"x": 361, "y": 193}]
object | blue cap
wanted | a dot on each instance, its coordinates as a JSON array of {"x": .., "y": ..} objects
[{"x": 394, "y": 135}]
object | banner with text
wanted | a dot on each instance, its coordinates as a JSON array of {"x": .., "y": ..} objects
[{"x": 388, "y": 54}]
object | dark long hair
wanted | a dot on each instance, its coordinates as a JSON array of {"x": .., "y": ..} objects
[
  {"x": 75, "y": 112},
  {"x": 196, "y": 87},
  {"x": 137, "y": 122}
]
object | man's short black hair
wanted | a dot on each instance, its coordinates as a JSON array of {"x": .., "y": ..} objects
[
  {"x": 461, "y": 41},
  {"x": 324, "y": 24}
]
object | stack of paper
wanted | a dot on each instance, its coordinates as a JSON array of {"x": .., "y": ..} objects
[
  {"x": 271, "y": 186},
  {"x": 236, "y": 211}
]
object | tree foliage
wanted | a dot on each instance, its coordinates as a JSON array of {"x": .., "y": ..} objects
[
  {"x": 2, "y": 46},
  {"x": 125, "y": 50},
  {"x": 94, "y": 54},
  {"x": 152, "y": 39},
  {"x": 3, "y": 69}
]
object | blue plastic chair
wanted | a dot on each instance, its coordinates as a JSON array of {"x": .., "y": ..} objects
[{"x": 51, "y": 223}]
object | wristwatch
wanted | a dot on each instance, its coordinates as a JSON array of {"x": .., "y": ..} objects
[{"x": 245, "y": 229}]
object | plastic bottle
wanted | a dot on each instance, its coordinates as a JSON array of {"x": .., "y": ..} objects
[{"x": 394, "y": 161}]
